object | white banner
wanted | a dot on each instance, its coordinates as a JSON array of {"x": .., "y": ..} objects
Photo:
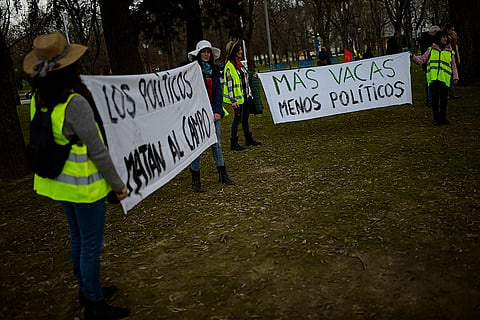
[
  {"x": 156, "y": 124},
  {"x": 308, "y": 93}
]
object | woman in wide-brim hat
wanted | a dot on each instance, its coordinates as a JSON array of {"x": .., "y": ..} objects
[
  {"x": 51, "y": 52},
  {"x": 87, "y": 176},
  {"x": 206, "y": 54},
  {"x": 201, "y": 45},
  {"x": 231, "y": 46},
  {"x": 237, "y": 93}
]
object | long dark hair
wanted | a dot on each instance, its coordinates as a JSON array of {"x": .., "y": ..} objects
[
  {"x": 234, "y": 50},
  {"x": 57, "y": 86}
]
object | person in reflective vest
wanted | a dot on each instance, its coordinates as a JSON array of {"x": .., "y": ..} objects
[
  {"x": 441, "y": 68},
  {"x": 88, "y": 174},
  {"x": 238, "y": 94}
]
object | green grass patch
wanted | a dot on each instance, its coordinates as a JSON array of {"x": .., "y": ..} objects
[{"x": 367, "y": 215}]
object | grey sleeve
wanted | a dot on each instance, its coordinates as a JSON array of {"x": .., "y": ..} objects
[{"x": 80, "y": 122}]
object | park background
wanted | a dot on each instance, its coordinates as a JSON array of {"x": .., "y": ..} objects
[{"x": 368, "y": 215}]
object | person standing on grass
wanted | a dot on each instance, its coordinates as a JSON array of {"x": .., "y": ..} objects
[
  {"x": 453, "y": 38},
  {"x": 441, "y": 68},
  {"x": 87, "y": 176},
  {"x": 324, "y": 57},
  {"x": 237, "y": 93},
  {"x": 205, "y": 54}
]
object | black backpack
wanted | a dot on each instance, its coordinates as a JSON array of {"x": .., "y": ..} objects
[{"x": 46, "y": 158}]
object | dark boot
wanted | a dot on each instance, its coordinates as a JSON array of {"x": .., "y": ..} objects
[
  {"x": 249, "y": 141},
  {"x": 234, "y": 145},
  {"x": 99, "y": 310},
  {"x": 223, "y": 176},
  {"x": 196, "y": 185},
  {"x": 107, "y": 293}
]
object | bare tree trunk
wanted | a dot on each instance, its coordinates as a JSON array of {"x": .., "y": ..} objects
[
  {"x": 13, "y": 163},
  {"x": 120, "y": 36},
  {"x": 464, "y": 16},
  {"x": 194, "y": 23}
]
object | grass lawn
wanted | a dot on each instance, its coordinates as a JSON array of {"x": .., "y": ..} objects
[{"x": 367, "y": 215}]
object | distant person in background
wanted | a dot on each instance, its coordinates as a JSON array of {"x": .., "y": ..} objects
[
  {"x": 453, "y": 38},
  {"x": 368, "y": 54},
  {"x": 426, "y": 41},
  {"x": 441, "y": 69},
  {"x": 205, "y": 54},
  {"x": 358, "y": 54},
  {"x": 394, "y": 43},
  {"x": 324, "y": 57}
]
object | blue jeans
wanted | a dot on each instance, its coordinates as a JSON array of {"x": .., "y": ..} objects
[
  {"x": 216, "y": 150},
  {"x": 87, "y": 224}
]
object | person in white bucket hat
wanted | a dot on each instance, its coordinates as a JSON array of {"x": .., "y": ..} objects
[
  {"x": 204, "y": 44},
  {"x": 205, "y": 54}
]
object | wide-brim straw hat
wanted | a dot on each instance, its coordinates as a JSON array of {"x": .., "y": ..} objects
[
  {"x": 231, "y": 45},
  {"x": 53, "y": 49},
  {"x": 203, "y": 44}
]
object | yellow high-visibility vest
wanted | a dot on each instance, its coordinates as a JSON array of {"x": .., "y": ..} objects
[
  {"x": 439, "y": 66},
  {"x": 80, "y": 181},
  {"x": 237, "y": 89}
]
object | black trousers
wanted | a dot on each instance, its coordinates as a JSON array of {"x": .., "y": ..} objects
[
  {"x": 241, "y": 117},
  {"x": 439, "y": 91}
]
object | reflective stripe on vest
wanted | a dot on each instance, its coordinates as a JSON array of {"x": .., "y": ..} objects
[
  {"x": 439, "y": 66},
  {"x": 80, "y": 180},
  {"x": 237, "y": 90}
]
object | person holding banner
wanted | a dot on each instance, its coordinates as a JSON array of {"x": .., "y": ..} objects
[
  {"x": 441, "y": 68},
  {"x": 237, "y": 92},
  {"x": 425, "y": 42},
  {"x": 205, "y": 54},
  {"x": 87, "y": 176}
]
